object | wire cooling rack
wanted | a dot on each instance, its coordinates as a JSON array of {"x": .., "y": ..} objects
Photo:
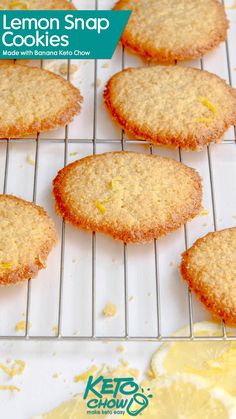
[{"x": 143, "y": 280}]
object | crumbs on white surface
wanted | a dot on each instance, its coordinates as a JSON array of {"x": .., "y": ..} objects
[
  {"x": 74, "y": 153},
  {"x": 21, "y": 326},
  {"x": 9, "y": 388},
  {"x": 30, "y": 159},
  {"x": 131, "y": 298},
  {"x": 17, "y": 368},
  {"x": 149, "y": 294},
  {"x": 204, "y": 225},
  {"x": 110, "y": 310}
]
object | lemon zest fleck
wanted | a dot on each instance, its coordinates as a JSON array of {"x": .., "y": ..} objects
[
  {"x": 9, "y": 388},
  {"x": 21, "y": 326},
  {"x": 17, "y": 369},
  {"x": 55, "y": 329},
  {"x": 204, "y": 212},
  {"x": 5, "y": 265},
  {"x": 100, "y": 207},
  {"x": 30, "y": 160},
  {"x": 208, "y": 104},
  {"x": 22, "y": 5}
]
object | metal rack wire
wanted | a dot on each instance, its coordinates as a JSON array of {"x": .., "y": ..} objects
[{"x": 158, "y": 337}]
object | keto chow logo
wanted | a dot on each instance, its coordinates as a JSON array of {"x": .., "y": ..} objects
[{"x": 115, "y": 396}]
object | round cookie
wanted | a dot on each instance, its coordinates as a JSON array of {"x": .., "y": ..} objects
[
  {"x": 169, "y": 30},
  {"x": 27, "y": 235},
  {"x": 131, "y": 196},
  {"x": 171, "y": 105},
  {"x": 36, "y": 5},
  {"x": 209, "y": 267},
  {"x": 34, "y": 100}
]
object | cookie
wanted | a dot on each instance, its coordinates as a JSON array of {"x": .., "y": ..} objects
[
  {"x": 169, "y": 30},
  {"x": 27, "y": 235},
  {"x": 36, "y": 5},
  {"x": 34, "y": 100},
  {"x": 171, "y": 105},
  {"x": 131, "y": 196},
  {"x": 209, "y": 267}
]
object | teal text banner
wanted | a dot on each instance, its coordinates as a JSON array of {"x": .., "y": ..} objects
[{"x": 60, "y": 34}]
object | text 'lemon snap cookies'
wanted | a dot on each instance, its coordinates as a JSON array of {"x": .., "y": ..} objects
[
  {"x": 131, "y": 196},
  {"x": 209, "y": 267},
  {"x": 173, "y": 106},
  {"x": 169, "y": 30},
  {"x": 36, "y": 5},
  {"x": 34, "y": 100},
  {"x": 27, "y": 235}
]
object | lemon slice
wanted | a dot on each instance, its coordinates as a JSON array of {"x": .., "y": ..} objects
[
  {"x": 72, "y": 409},
  {"x": 213, "y": 360},
  {"x": 188, "y": 396}
]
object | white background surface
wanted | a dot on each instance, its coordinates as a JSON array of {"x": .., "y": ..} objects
[{"x": 40, "y": 391}]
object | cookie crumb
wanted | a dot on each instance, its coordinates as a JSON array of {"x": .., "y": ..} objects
[
  {"x": 106, "y": 65},
  {"x": 110, "y": 310},
  {"x": 120, "y": 349},
  {"x": 55, "y": 329},
  {"x": 63, "y": 69},
  {"x": 30, "y": 160},
  {"x": 21, "y": 326}
]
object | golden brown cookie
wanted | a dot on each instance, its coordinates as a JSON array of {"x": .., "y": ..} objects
[
  {"x": 27, "y": 235},
  {"x": 36, "y": 5},
  {"x": 34, "y": 100},
  {"x": 209, "y": 267},
  {"x": 169, "y": 30},
  {"x": 174, "y": 106},
  {"x": 131, "y": 196}
]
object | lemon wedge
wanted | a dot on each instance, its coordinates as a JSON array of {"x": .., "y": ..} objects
[{"x": 212, "y": 360}]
